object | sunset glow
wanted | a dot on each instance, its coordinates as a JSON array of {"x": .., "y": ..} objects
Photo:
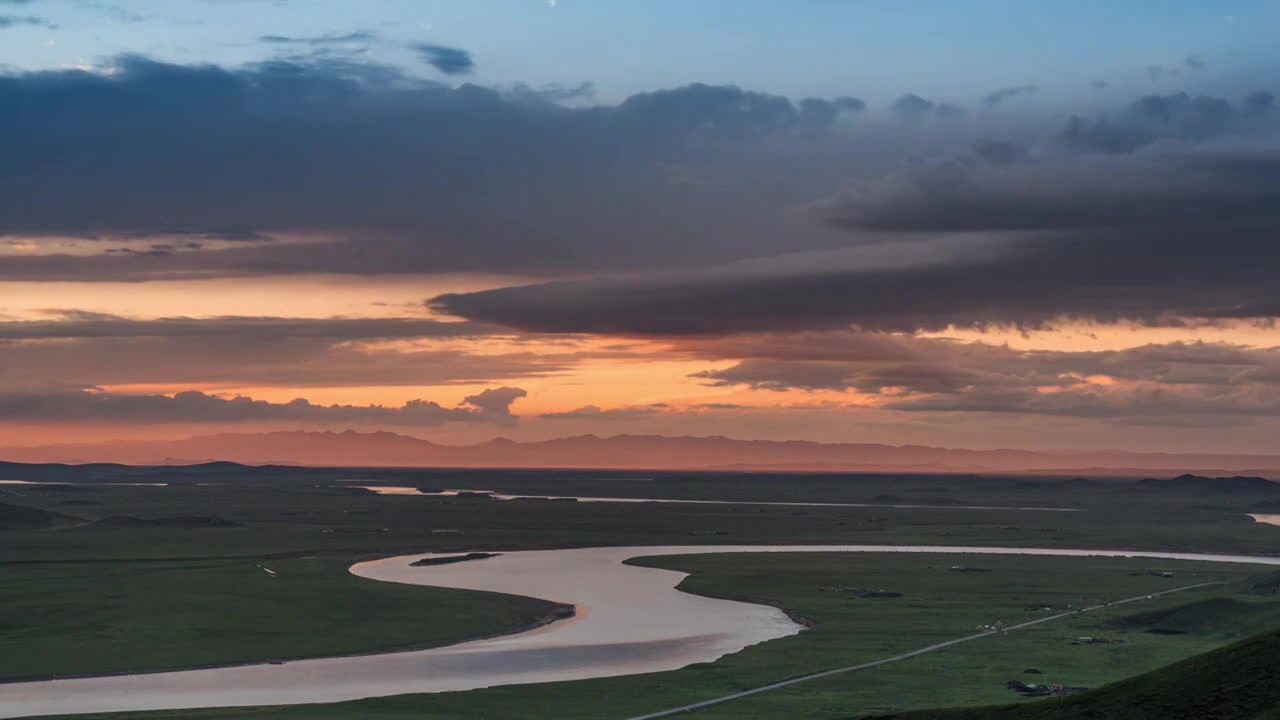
[{"x": 365, "y": 235}]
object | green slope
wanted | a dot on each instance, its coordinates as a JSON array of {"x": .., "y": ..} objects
[
  {"x": 1238, "y": 682},
  {"x": 1223, "y": 617},
  {"x": 20, "y": 517}
]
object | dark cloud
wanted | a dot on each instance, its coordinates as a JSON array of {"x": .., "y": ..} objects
[
  {"x": 1179, "y": 194},
  {"x": 822, "y": 113},
  {"x": 1001, "y": 219},
  {"x": 401, "y": 175},
  {"x": 448, "y": 60},
  {"x": 722, "y": 110},
  {"x": 846, "y": 347},
  {"x": 1220, "y": 185},
  {"x": 1258, "y": 104},
  {"x": 71, "y": 324},
  {"x": 767, "y": 374},
  {"x": 359, "y": 36},
  {"x": 1001, "y": 152},
  {"x": 1144, "y": 384},
  {"x": 96, "y": 349},
  {"x": 80, "y": 405},
  {"x": 1144, "y": 405},
  {"x": 193, "y": 361},
  {"x": 1193, "y": 62},
  {"x": 8, "y": 21},
  {"x": 551, "y": 94},
  {"x": 871, "y": 362},
  {"x": 1103, "y": 135},
  {"x": 1005, "y": 94},
  {"x": 1153, "y": 118},
  {"x": 225, "y": 234},
  {"x": 913, "y": 107},
  {"x": 1189, "y": 257}
]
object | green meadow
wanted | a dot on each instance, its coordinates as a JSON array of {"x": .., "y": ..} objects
[{"x": 128, "y": 579}]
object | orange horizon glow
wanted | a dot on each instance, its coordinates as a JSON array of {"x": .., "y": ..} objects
[{"x": 654, "y": 376}]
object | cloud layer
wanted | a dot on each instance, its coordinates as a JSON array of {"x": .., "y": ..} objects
[
  {"x": 1189, "y": 383},
  {"x": 1162, "y": 214},
  {"x": 97, "y": 349},
  {"x": 53, "y": 404},
  {"x": 383, "y": 173},
  {"x": 802, "y": 244}
]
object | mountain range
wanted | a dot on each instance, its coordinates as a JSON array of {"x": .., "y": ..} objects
[{"x": 387, "y": 449}]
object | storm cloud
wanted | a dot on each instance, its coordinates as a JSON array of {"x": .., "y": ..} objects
[
  {"x": 405, "y": 175},
  {"x": 1029, "y": 283},
  {"x": 380, "y": 172},
  {"x": 699, "y": 211},
  {"x": 1176, "y": 224}
]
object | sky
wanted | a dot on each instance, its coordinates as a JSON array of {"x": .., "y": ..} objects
[{"x": 985, "y": 224}]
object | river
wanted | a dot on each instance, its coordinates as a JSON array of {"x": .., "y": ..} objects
[
  {"x": 630, "y": 620},
  {"x": 413, "y": 491}
]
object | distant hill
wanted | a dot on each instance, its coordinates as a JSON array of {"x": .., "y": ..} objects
[
  {"x": 1199, "y": 485},
  {"x": 386, "y": 449},
  {"x": 20, "y": 517},
  {"x": 1238, "y": 682}
]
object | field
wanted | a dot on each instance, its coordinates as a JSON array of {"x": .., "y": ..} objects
[
  {"x": 144, "y": 578},
  {"x": 87, "y": 618},
  {"x": 1243, "y": 682}
]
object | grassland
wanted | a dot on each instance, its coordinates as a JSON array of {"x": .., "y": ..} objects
[
  {"x": 1238, "y": 682},
  {"x": 21, "y": 517},
  {"x": 87, "y": 618},
  {"x": 316, "y": 516},
  {"x": 851, "y": 626},
  {"x": 101, "y": 597}
]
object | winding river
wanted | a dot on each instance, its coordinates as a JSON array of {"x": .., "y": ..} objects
[
  {"x": 413, "y": 491},
  {"x": 629, "y": 620}
]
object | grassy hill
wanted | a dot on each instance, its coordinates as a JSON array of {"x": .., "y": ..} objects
[
  {"x": 1237, "y": 682},
  {"x": 1223, "y": 617},
  {"x": 20, "y": 517},
  {"x": 1265, "y": 585}
]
